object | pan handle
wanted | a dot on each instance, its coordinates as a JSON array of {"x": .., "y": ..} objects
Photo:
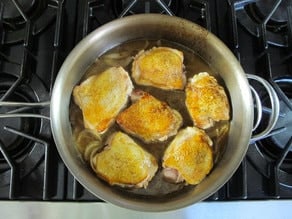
[
  {"x": 23, "y": 106},
  {"x": 274, "y": 112}
]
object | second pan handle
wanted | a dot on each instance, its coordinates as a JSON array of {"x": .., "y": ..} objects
[{"x": 275, "y": 108}]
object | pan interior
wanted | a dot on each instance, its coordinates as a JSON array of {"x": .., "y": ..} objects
[{"x": 122, "y": 55}]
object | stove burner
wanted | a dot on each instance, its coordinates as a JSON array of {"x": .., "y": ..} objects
[
  {"x": 264, "y": 9},
  {"x": 282, "y": 138},
  {"x": 130, "y": 7},
  {"x": 17, "y": 13},
  {"x": 278, "y": 21},
  {"x": 272, "y": 13},
  {"x": 271, "y": 152},
  {"x": 278, "y": 141},
  {"x": 22, "y": 150},
  {"x": 16, "y": 146}
]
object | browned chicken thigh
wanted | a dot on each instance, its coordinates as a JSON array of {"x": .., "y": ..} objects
[
  {"x": 124, "y": 163},
  {"x": 206, "y": 101},
  {"x": 189, "y": 157},
  {"x": 101, "y": 97},
  {"x": 160, "y": 67},
  {"x": 149, "y": 119}
]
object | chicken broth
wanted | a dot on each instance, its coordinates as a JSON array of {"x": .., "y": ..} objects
[{"x": 88, "y": 144}]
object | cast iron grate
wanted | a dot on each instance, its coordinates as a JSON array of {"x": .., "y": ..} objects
[
  {"x": 94, "y": 13},
  {"x": 32, "y": 50}
]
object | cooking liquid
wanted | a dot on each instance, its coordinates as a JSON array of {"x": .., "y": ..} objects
[{"x": 123, "y": 55}]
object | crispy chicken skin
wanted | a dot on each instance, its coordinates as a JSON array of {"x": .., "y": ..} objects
[
  {"x": 160, "y": 67},
  {"x": 124, "y": 163},
  {"x": 101, "y": 97},
  {"x": 149, "y": 119},
  {"x": 206, "y": 100},
  {"x": 189, "y": 157}
]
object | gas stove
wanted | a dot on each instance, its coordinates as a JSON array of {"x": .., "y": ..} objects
[{"x": 36, "y": 37}]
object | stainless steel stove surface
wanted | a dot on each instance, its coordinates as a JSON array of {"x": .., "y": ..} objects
[{"x": 36, "y": 37}]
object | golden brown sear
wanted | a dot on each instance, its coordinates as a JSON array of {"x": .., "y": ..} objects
[
  {"x": 189, "y": 157},
  {"x": 101, "y": 97},
  {"x": 124, "y": 163},
  {"x": 160, "y": 67},
  {"x": 206, "y": 100},
  {"x": 149, "y": 118}
]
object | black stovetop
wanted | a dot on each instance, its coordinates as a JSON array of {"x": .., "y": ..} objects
[{"x": 36, "y": 37}]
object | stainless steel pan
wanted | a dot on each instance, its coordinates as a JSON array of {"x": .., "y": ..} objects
[{"x": 206, "y": 45}]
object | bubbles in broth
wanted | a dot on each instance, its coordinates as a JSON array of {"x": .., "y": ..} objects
[{"x": 88, "y": 144}]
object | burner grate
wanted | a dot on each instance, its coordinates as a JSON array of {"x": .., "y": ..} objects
[
  {"x": 275, "y": 170},
  {"x": 30, "y": 57},
  {"x": 94, "y": 13},
  {"x": 14, "y": 167},
  {"x": 130, "y": 7},
  {"x": 16, "y": 15},
  {"x": 13, "y": 171},
  {"x": 270, "y": 20}
]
